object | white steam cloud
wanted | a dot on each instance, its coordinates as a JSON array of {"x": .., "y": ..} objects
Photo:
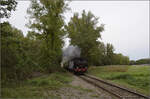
[{"x": 70, "y": 53}]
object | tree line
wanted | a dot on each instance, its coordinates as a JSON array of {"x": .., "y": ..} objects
[
  {"x": 84, "y": 32},
  {"x": 140, "y": 61},
  {"x": 41, "y": 49}
]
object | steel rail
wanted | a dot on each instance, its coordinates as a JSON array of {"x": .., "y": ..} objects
[
  {"x": 138, "y": 94},
  {"x": 117, "y": 95}
]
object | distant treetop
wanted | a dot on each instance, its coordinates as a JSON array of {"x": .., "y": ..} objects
[{"x": 6, "y": 6}]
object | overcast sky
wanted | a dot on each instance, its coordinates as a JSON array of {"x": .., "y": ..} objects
[{"x": 126, "y": 23}]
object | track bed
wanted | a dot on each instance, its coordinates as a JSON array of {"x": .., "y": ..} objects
[{"x": 117, "y": 91}]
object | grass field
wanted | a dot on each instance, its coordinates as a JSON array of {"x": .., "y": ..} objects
[
  {"x": 36, "y": 87},
  {"x": 135, "y": 77}
]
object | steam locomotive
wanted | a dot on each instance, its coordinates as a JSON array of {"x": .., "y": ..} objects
[{"x": 77, "y": 65}]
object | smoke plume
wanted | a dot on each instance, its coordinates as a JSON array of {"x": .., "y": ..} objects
[{"x": 69, "y": 53}]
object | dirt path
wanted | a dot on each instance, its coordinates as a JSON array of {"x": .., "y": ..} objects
[
  {"x": 79, "y": 89},
  {"x": 78, "y": 82}
]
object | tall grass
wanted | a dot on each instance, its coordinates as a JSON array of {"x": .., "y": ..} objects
[{"x": 134, "y": 76}]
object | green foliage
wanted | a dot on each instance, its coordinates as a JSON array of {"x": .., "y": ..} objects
[
  {"x": 140, "y": 61},
  {"x": 143, "y": 61},
  {"x": 109, "y": 54},
  {"x": 119, "y": 59},
  {"x": 84, "y": 32},
  {"x": 47, "y": 24},
  {"x": 6, "y": 6},
  {"x": 40, "y": 50},
  {"x": 12, "y": 53},
  {"x": 18, "y": 53}
]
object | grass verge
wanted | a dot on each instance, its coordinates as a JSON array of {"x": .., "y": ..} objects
[
  {"x": 135, "y": 77},
  {"x": 37, "y": 87}
]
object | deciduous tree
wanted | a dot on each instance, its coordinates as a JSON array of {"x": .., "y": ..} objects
[
  {"x": 84, "y": 32},
  {"x": 47, "y": 22}
]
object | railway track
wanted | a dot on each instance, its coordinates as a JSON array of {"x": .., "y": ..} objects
[{"x": 117, "y": 91}]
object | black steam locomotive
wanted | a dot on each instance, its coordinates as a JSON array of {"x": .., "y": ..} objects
[{"x": 77, "y": 65}]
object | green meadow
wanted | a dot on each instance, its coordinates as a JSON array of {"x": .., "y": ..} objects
[{"x": 133, "y": 77}]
